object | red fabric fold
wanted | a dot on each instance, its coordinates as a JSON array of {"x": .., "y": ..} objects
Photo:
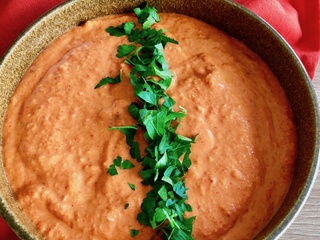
[
  {"x": 5, "y": 232},
  {"x": 296, "y": 20}
]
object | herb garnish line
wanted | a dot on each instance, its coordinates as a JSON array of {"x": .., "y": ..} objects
[{"x": 167, "y": 156}]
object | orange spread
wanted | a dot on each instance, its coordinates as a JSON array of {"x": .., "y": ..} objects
[{"x": 57, "y": 147}]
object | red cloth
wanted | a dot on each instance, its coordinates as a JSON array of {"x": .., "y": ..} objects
[
  {"x": 5, "y": 231},
  {"x": 296, "y": 20}
]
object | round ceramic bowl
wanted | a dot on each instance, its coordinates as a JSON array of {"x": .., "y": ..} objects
[{"x": 230, "y": 17}]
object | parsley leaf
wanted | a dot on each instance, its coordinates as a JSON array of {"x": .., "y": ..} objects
[
  {"x": 126, "y": 164},
  {"x": 112, "y": 170},
  {"x": 132, "y": 186},
  {"x": 147, "y": 16},
  {"x": 124, "y": 50},
  {"x": 128, "y": 131},
  {"x": 128, "y": 26},
  {"x": 108, "y": 80},
  {"x": 117, "y": 162},
  {"x": 134, "y": 232},
  {"x": 135, "y": 151},
  {"x": 116, "y": 31}
]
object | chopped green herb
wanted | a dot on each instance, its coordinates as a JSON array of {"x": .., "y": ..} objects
[
  {"x": 134, "y": 232},
  {"x": 108, "y": 80},
  {"x": 117, "y": 162},
  {"x": 146, "y": 16},
  {"x": 125, "y": 49},
  {"x": 126, "y": 164},
  {"x": 128, "y": 131},
  {"x": 167, "y": 156},
  {"x": 112, "y": 170},
  {"x": 132, "y": 186},
  {"x": 126, "y": 206},
  {"x": 135, "y": 151}
]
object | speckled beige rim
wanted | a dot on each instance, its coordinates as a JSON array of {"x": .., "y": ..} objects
[{"x": 226, "y": 15}]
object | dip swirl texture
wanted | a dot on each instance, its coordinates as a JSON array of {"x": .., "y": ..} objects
[{"x": 57, "y": 148}]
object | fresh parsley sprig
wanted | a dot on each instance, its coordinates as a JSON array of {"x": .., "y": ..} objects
[{"x": 167, "y": 156}]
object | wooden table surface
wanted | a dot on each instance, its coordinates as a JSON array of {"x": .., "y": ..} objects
[{"x": 307, "y": 224}]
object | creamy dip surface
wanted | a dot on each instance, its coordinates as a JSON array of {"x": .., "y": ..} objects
[{"x": 56, "y": 146}]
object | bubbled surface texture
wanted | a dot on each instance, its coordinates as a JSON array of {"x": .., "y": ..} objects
[{"x": 226, "y": 15}]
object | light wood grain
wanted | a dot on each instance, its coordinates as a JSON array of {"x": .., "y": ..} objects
[{"x": 307, "y": 224}]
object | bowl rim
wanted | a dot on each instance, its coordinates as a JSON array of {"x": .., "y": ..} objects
[{"x": 301, "y": 200}]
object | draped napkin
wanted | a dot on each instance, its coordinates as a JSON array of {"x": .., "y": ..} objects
[{"x": 296, "y": 20}]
